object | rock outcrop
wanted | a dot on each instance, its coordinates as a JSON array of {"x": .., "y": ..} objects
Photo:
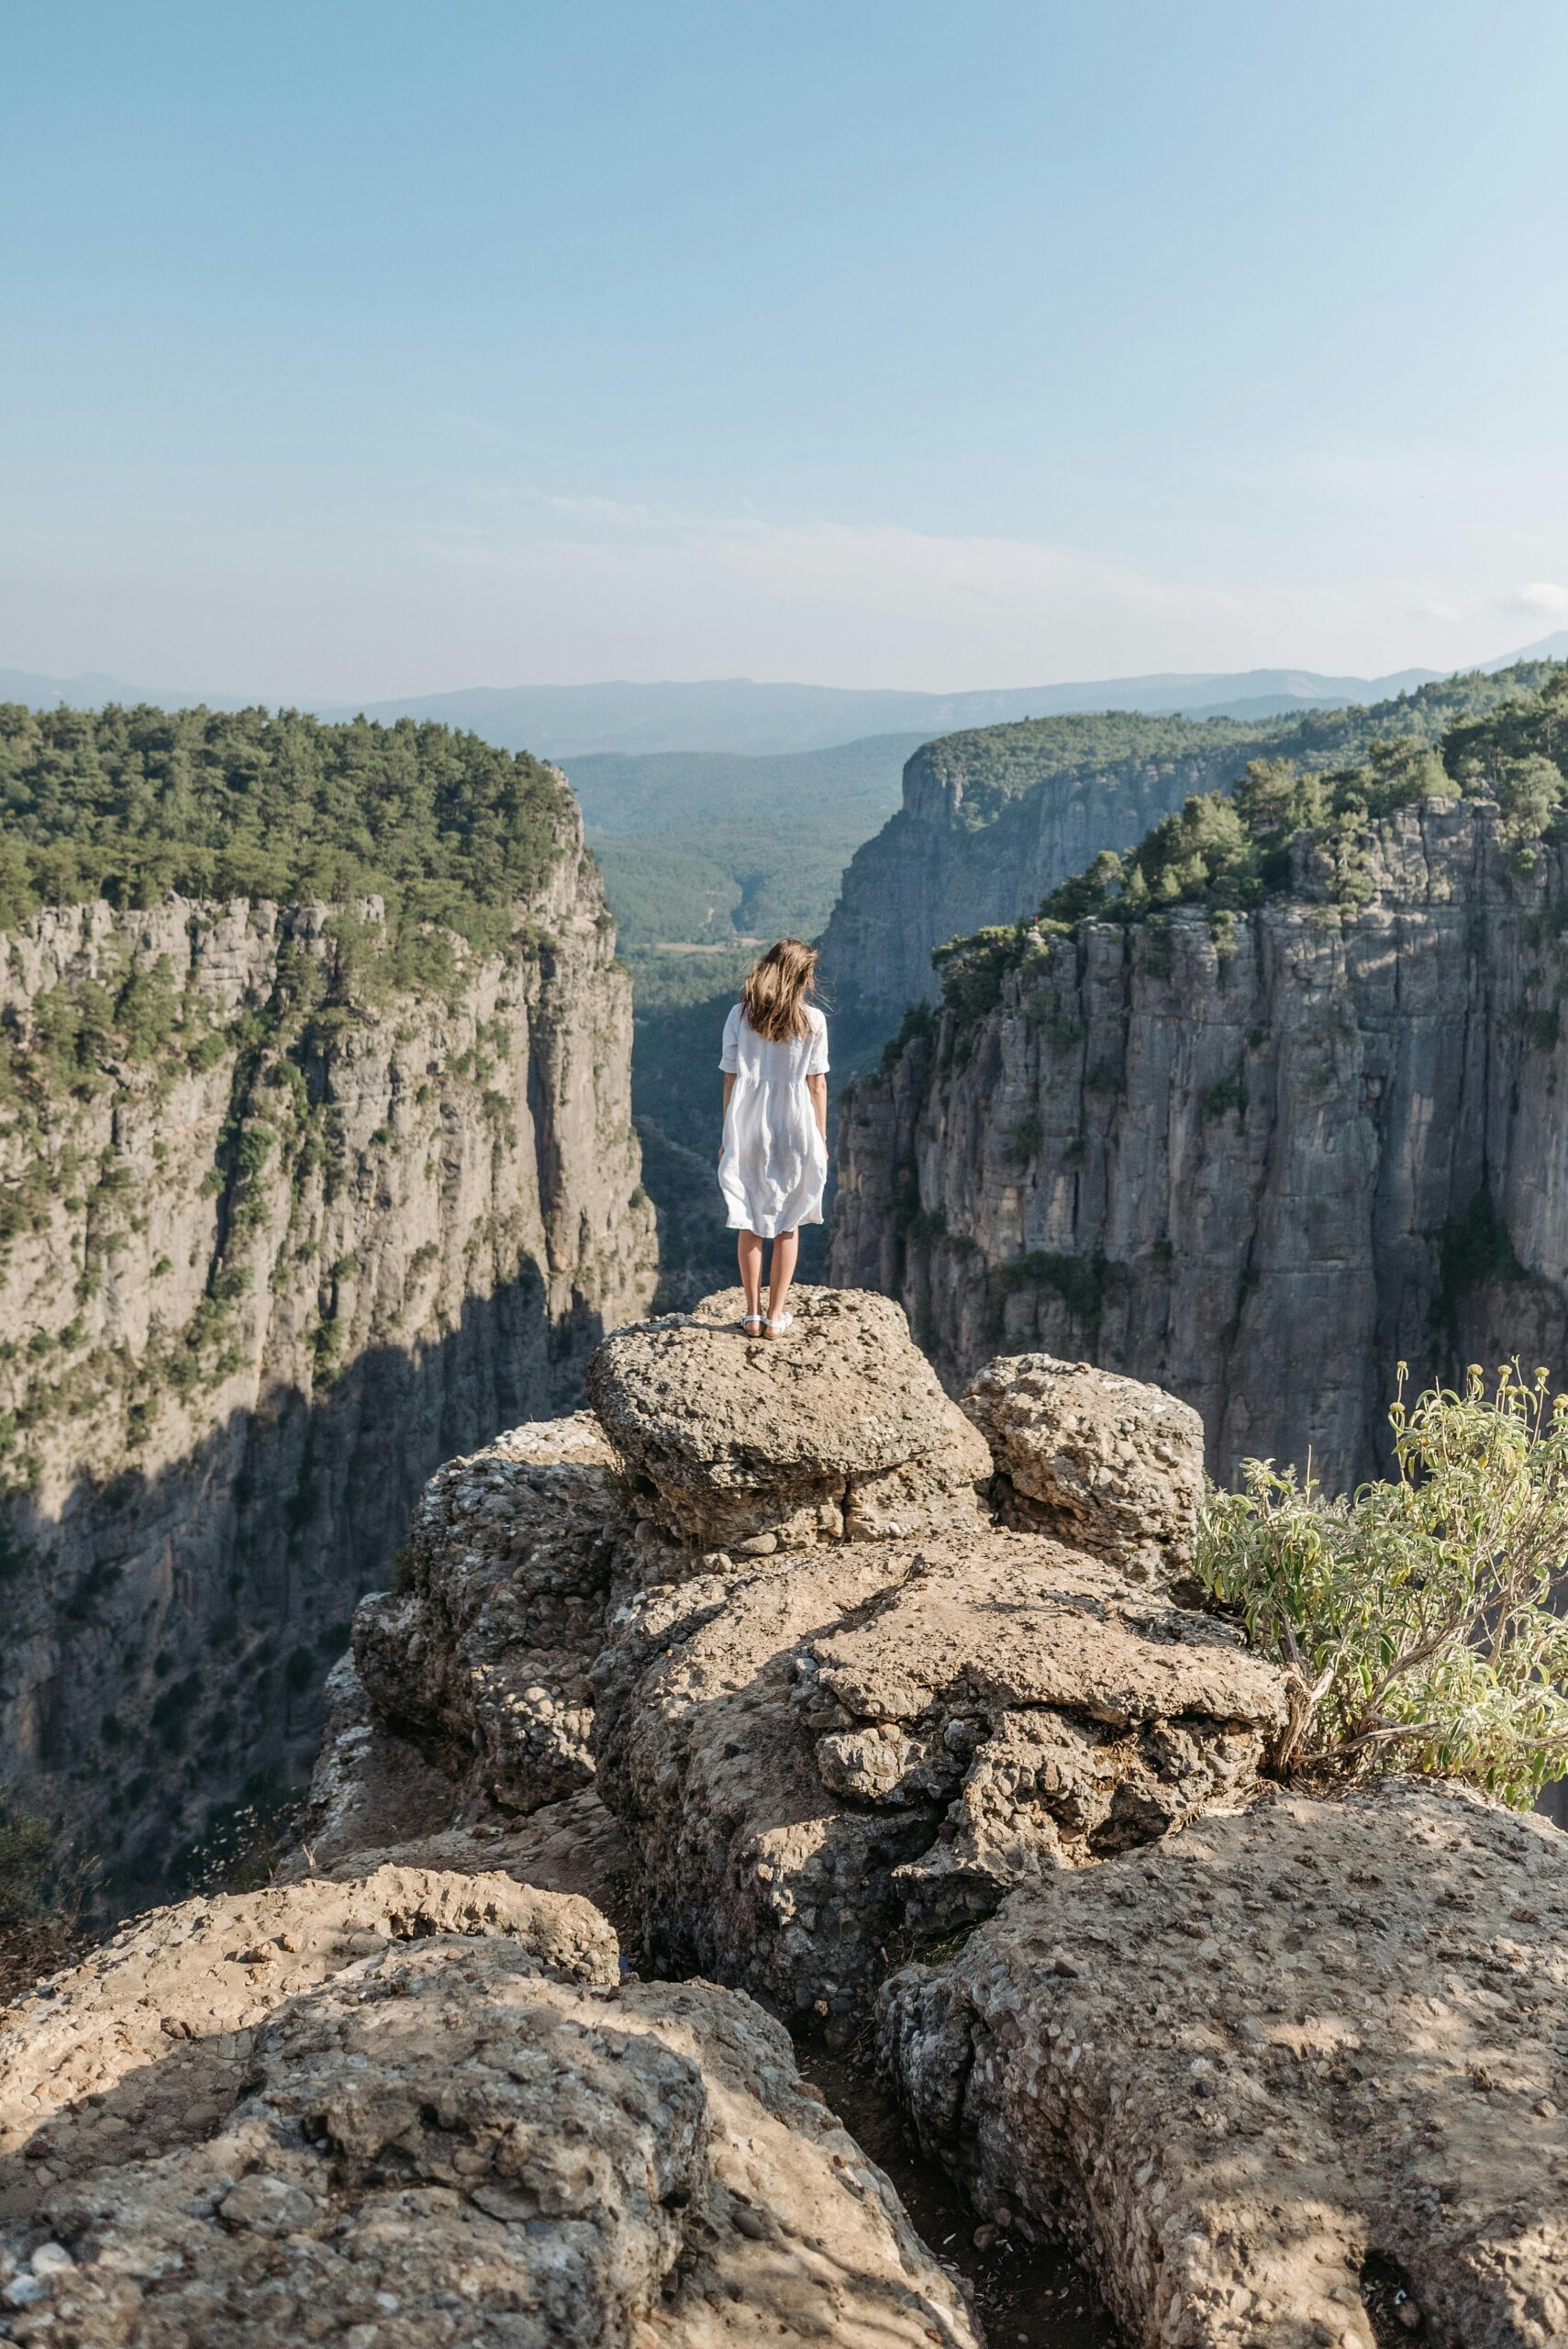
[
  {"x": 842, "y": 1753},
  {"x": 1257, "y": 1160},
  {"x": 1296, "y": 2077},
  {"x": 1108, "y": 1464},
  {"x": 422, "y": 2144},
  {"x": 685, "y": 1657},
  {"x": 154, "y": 2032},
  {"x": 299, "y": 1235},
  {"x": 1285, "y": 2070},
  {"x": 482, "y": 1659},
  {"x": 838, "y": 1432}
]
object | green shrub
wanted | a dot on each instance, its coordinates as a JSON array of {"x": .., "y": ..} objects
[{"x": 1414, "y": 1617}]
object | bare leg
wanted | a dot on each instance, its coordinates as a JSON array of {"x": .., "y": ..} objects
[
  {"x": 781, "y": 1272},
  {"x": 749, "y": 1254}
]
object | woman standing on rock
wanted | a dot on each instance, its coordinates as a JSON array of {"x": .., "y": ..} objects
[{"x": 773, "y": 1162}]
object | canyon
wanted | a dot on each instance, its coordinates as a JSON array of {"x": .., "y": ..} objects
[
  {"x": 1261, "y": 1158},
  {"x": 779, "y": 1703},
  {"x": 993, "y": 820},
  {"x": 290, "y": 1215}
]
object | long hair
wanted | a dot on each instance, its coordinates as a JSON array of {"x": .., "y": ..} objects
[{"x": 774, "y": 995}]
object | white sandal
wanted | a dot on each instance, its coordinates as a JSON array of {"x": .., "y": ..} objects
[
  {"x": 777, "y": 1329},
  {"x": 752, "y": 1324}
]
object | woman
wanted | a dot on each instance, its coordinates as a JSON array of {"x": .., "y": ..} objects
[{"x": 773, "y": 1162}]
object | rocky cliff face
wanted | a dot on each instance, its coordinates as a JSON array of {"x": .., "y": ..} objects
[
  {"x": 1259, "y": 1160},
  {"x": 995, "y": 820},
  {"x": 1285, "y": 2068},
  {"x": 286, "y": 1223},
  {"x": 955, "y": 859}
]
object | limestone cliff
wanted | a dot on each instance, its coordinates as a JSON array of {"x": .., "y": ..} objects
[
  {"x": 1259, "y": 1159},
  {"x": 285, "y": 1222},
  {"x": 993, "y": 819},
  {"x": 960, "y": 855}
]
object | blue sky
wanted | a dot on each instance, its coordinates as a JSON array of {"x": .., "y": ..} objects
[{"x": 351, "y": 349}]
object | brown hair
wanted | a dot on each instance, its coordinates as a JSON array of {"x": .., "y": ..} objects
[{"x": 773, "y": 995}]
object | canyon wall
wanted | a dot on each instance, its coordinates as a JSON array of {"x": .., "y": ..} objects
[
  {"x": 1260, "y": 1159},
  {"x": 995, "y": 820},
  {"x": 284, "y": 1222},
  {"x": 960, "y": 855}
]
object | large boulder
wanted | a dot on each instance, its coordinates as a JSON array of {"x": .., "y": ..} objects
[
  {"x": 1107, "y": 1464},
  {"x": 480, "y": 1659},
  {"x": 839, "y": 1430},
  {"x": 152, "y": 2034},
  {"x": 846, "y": 1749},
  {"x": 440, "y": 2148},
  {"x": 1298, "y": 2077}
]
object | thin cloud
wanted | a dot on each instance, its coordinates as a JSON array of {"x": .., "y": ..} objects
[{"x": 1542, "y": 595}]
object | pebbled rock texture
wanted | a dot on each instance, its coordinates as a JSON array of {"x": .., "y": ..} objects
[
  {"x": 840, "y": 1751},
  {"x": 481, "y": 1662},
  {"x": 441, "y": 2149},
  {"x": 152, "y": 2034},
  {"x": 1109, "y": 1464},
  {"x": 838, "y": 1431},
  {"x": 1295, "y": 2078}
]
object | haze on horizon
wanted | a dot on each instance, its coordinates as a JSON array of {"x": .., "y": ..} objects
[{"x": 360, "y": 351}]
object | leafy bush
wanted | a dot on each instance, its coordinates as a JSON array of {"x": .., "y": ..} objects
[{"x": 1414, "y": 1617}]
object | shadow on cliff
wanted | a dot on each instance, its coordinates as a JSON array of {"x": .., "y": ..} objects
[{"x": 185, "y": 1618}]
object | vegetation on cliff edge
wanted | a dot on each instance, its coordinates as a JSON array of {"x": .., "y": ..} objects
[
  {"x": 1414, "y": 1616},
  {"x": 132, "y": 805},
  {"x": 1228, "y": 851}
]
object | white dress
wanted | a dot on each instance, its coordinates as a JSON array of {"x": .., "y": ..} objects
[{"x": 775, "y": 1161}]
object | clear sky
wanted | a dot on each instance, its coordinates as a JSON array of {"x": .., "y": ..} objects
[{"x": 358, "y": 347}]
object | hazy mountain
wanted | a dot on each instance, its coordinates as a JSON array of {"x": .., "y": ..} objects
[
  {"x": 1549, "y": 648},
  {"x": 736, "y": 714},
  {"x": 92, "y": 690}
]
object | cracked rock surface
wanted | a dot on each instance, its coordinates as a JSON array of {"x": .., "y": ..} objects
[
  {"x": 839, "y": 1431},
  {"x": 1294, "y": 2077},
  {"x": 1110, "y": 1464},
  {"x": 438, "y": 2148},
  {"x": 846, "y": 1749},
  {"x": 154, "y": 2033}
]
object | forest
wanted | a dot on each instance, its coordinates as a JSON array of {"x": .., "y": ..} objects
[
  {"x": 1229, "y": 851},
  {"x": 131, "y": 804}
]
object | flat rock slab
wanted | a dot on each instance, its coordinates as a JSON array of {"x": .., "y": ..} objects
[
  {"x": 849, "y": 1749},
  {"x": 445, "y": 2150},
  {"x": 1294, "y": 2077},
  {"x": 839, "y": 1430},
  {"x": 118, "y": 2053},
  {"x": 1111, "y": 1465}
]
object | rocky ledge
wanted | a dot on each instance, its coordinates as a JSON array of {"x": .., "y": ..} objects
[
  {"x": 414, "y": 2115},
  {"x": 839, "y": 1754},
  {"x": 879, "y": 1709},
  {"x": 1296, "y": 2078}
]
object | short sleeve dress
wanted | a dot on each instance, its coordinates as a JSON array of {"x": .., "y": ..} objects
[{"x": 775, "y": 1161}]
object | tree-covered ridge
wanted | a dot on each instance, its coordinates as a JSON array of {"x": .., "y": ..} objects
[
  {"x": 132, "y": 804},
  {"x": 992, "y": 765},
  {"x": 1229, "y": 850}
]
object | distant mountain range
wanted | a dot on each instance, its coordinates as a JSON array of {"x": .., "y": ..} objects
[{"x": 738, "y": 716}]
